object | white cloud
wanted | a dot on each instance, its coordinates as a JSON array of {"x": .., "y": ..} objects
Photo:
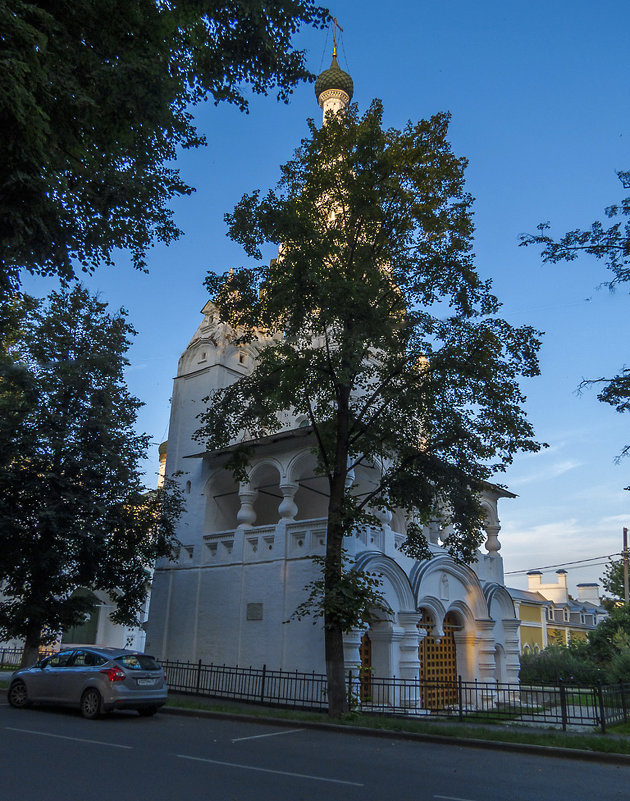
[
  {"x": 559, "y": 542},
  {"x": 547, "y": 473}
]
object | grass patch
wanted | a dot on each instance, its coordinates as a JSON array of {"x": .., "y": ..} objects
[
  {"x": 620, "y": 728},
  {"x": 551, "y": 738},
  {"x": 182, "y": 702}
]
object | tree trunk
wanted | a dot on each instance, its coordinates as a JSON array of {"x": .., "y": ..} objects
[
  {"x": 335, "y": 673},
  {"x": 30, "y": 654},
  {"x": 333, "y": 569}
]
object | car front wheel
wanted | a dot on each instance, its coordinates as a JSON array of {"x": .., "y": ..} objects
[
  {"x": 91, "y": 703},
  {"x": 18, "y": 695}
]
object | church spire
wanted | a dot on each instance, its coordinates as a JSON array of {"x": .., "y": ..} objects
[{"x": 334, "y": 87}]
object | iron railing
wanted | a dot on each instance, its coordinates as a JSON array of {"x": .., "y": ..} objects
[
  {"x": 10, "y": 658},
  {"x": 559, "y": 704},
  {"x": 257, "y": 685}
]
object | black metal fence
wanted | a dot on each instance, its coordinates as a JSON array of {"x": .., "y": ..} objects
[
  {"x": 254, "y": 685},
  {"x": 10, "y": 658},
  {"x": 559, "y": 704}
]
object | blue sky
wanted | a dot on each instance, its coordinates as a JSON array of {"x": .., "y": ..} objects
[{"x": 538, "y": 96}]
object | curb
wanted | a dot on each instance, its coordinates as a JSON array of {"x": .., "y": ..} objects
[{"x": 439, "y": 739}]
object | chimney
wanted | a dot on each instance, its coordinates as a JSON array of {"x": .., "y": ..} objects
[
  {"x": 589, "y": 593},
  {"x": 534, "y": 578},
  {"x": 562, "y": 578}
]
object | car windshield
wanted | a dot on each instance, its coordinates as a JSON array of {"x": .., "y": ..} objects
[{"x": 137, "y": 662}]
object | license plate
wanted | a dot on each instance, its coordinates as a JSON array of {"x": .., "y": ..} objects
[{"x": 146, "y": 682}]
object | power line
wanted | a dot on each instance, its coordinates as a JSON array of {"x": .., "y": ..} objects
[{"x": 564, "y": 564}]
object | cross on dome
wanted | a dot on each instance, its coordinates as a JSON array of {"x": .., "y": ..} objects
[{"x": 334, "y": 87}]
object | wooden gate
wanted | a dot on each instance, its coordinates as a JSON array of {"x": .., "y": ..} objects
[
  {"x": 365, "y": 675},
  {"x": 438, "y": 664}
]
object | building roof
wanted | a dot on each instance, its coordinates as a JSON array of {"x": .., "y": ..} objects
[{"x": 527, "y": 596}]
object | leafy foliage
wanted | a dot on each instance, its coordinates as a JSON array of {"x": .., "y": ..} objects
[
  {"x": 373, "y": 325},
  {"x": 604, "y": 657},
  {"x": 94, "y": 104},
  {"x": 612, "y": 245},
  {"x": 612, "y": 636},
  {"x": 571, "y": 665},
  {"x": 612, "y": 580},
  {"x": 352, "y": 602},
  {"x": 73, "y": 509}
]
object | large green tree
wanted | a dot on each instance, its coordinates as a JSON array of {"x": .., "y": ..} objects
[
  {"x": 95, "y": 102},
  {"x": 74, "y": 512},
  {"x": 609, "y": 242},
  {"x": 378, "y": 329}
]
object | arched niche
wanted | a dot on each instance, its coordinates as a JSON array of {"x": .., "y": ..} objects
[
  {"x": 462, "y": 580},
  {"x": 500, "y": 603},
  {"x": 313, "y": 491},
  {"x": 500, "y": 663},
  {"x": 490, "y": 509},
  {"x": 433, "y": 614},
  {"x": 264, "y": 479},
  {"x": 396, "y": 588},
  {"x": 222, "y": 502},
  {"x": 366, "y": 480}
]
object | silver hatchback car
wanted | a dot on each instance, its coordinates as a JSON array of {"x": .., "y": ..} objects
[{"x": 97, "y": 680}]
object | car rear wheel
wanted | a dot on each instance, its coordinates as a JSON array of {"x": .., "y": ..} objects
[
  {"x": 91, "y": 703},
  {"x": 147, "y": 711},
  {"x": 18, "y": 695}
]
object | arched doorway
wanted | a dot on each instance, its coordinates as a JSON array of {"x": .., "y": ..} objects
[{"x": 438, "y": 663}]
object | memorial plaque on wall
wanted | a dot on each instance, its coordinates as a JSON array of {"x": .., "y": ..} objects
[{"x": 254, "y": 611}]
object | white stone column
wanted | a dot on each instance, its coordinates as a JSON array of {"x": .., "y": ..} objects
[
  {"x": 384, "y": 637},
  {"x": 352, "y": 663},
  {"x": 288, "y": 508},
  {"x": 493, "y": 546},
  {"x": 246, "y": 516},
  {"x": 433, "y": 532},
  {"x": 409, "y": 662},
  {"x": 351, "y": 645},
  {"x": 485, "y": 650},
  {"x": 512, "y": 649}
]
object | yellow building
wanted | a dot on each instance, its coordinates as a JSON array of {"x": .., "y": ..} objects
[{"x": 549, "y": 616}]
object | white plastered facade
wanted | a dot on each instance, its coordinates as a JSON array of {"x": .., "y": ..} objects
[{"x": 244, "y": 558}]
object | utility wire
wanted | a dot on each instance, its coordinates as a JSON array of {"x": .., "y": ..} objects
[
  {"x": 564, "y": 564},
  {"x": 324, "y": 51}
]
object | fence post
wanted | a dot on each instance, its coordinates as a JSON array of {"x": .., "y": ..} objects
[
  {"x": 460, "y": 698},
  {"x": 602, "y": 715},
  {"x": 349, "y": 692},
  {"x": 2, "y": 663},
  {"x": 624, "y": 705},
  {"x": 198, "y": 676},
  {"x": 563, "y": 704},
  {"x": 262, "y": 683}
]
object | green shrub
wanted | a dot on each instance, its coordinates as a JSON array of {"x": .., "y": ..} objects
[
  {"x": 619, "y": 667},
  {"x": 571, "y": 665}
]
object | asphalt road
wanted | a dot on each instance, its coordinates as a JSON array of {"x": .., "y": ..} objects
[{"x": 47, "y": 753}]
